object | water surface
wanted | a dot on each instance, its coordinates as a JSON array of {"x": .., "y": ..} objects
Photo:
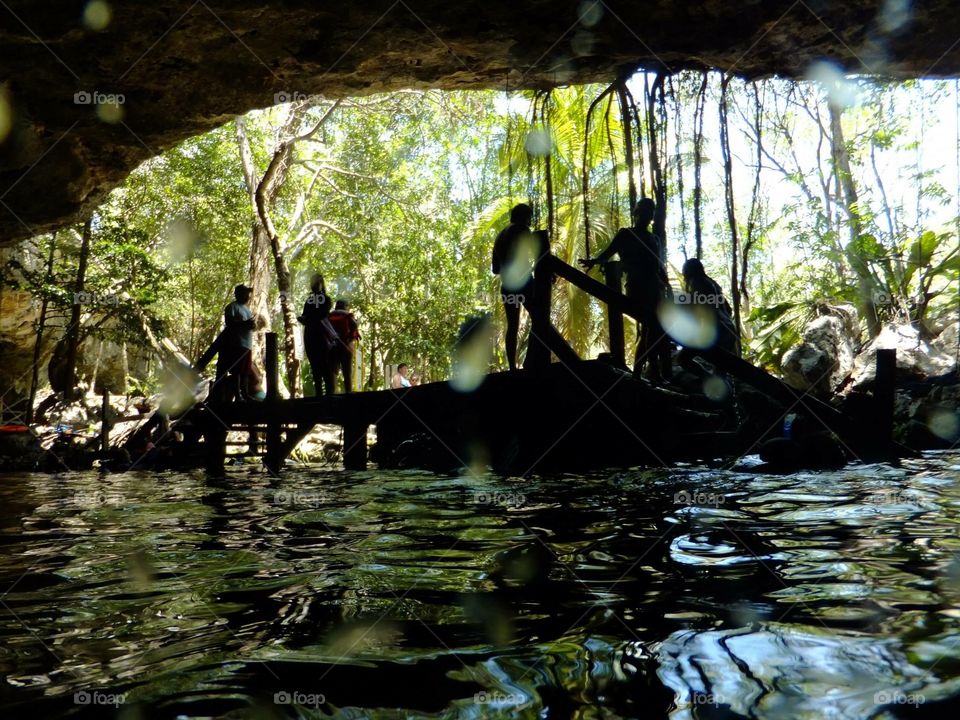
[{"x": 683, "y": 593}]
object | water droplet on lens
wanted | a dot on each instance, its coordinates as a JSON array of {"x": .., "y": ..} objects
[
  {"x": 944, "y": 424},
  {"x": 715, "y": 388},
  {"x": 590, "y": 12},
  {"x": 692, "y": 326},
  {"x": 110, "y": 112},
  {"x": 97, "y": 15},
  {"x": 538, "y": 142},
  {"x": 841, "y": 92},
  {"x": 582, "y": 43}
]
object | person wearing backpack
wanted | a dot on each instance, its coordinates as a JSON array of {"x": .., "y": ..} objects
[{"x": 341, "y": 356}]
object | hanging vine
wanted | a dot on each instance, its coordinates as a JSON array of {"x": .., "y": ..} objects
[
  {"x": 627, "y": 140},
  {"x": 585, "y": 176},
  {"x": 656, "y": 132},
  {"x": 548, "y": 163},
  {"x": 615, "y": 185}
]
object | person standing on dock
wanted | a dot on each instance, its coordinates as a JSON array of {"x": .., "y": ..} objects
[
  {"x": 347, "y": 333},
  {"x": 319, "y": 336},
  {"x": 516, "y": 252},
  {"x": 641, "y": 256},
  {"x": 235, "y": 344}
]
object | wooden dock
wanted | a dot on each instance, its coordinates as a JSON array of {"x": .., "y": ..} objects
[{"x": 567, "y": 414}]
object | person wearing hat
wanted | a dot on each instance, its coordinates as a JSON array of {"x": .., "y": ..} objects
[{"x": 646, "y": 281}]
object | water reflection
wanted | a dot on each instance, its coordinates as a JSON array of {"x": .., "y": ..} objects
[{"x": 692, "y": 592}]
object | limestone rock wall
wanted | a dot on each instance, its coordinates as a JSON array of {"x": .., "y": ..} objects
[{"x": 84, "y": 98}]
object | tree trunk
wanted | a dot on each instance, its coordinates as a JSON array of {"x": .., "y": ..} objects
[
  {"x": 841, "y": 164},
  {"x": 41, "y": 325},
  {"x": 731, "y": 210},
  {"x": 73, "y": 330},
  {"x": 698, "y": 164},
  {"x": 753, "y": 219},
  {"x": 264, "y": 195},
  {"x": 585, "y": 172},
  {"x": 259, "y": 259}
]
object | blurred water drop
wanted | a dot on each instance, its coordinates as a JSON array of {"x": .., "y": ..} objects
[
  {"x": 538, "y": 142},
  {"x": 495, "y": 619},
  {"x": 179, "y": 387},
  {"x": 842, "y": 92},
  {"x": 6, "y": 114},
  {"x": 582, "y": 43},
  {"x": 894, "y": 15},
  {"x": 590, "y": 12},
  {"x": 944, "y": 424},
  {"x": 472, "y": 355},
  {"x": 110, "y": 112},
  {"x": 182, "y": 240},
  {"x": 141, "y": 569},
  {"x": 715, "y": 388},
  {"x": 359, "y": 637},
  {"x": 516, "y": 272},
  {"x": 97, "y": 15},
  {"x": 693, "y": 326}
]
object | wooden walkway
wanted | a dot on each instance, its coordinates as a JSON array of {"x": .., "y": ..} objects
[{"x": 535, "y": 407}]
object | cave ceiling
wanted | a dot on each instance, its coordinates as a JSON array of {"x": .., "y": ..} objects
[{"x": 182, "y": 68}]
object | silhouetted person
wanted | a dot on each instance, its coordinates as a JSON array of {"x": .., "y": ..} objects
[
  {"x": 705, "y": 291},
  {"x": 400, "y": 379},
  {"x": 646, "y": 281},
  {"x": 319, "y": 337},
  {"x": 515, "y": 253},
  {"x": 347, "y": 333},
  {"x": 235, "y": 344}
]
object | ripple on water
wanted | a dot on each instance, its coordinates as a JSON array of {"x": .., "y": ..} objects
[{"x": 688, "y": 592}]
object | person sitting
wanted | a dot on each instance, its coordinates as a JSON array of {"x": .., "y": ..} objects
[
  {"x": 347, "y": 333},
  {"x": 646, "y": 281},
  {"x": 319, "y": 337},
  {"x": 400, "y": 377},
  {"x": 704, "y": 291}
]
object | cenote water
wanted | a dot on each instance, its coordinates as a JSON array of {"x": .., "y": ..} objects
[{"x": 688, "y": 592}]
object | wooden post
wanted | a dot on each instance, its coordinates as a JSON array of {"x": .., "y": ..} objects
[
  {"x": 104, "y": 424},
  {"x": 355, "y": 446},
  {"x": 884, "y": 393},
  {"x": 538, "y": 354},
  {"x": 273, "y": 458},
  {"x": 215, "y": 440},
  {"x": 613, "y": 275},
  {"x": 272, "y": 367}
]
